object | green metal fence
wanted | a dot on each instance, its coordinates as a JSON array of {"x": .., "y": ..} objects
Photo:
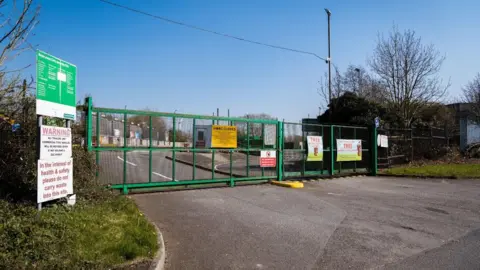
[
  {"x": 144, "y": 149},
  {"x": 295, "y": 150}
]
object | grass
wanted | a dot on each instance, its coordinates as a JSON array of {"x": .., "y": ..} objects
[
  {"x": 90, "y": 235},
  {"x": 439, "y": 170}
]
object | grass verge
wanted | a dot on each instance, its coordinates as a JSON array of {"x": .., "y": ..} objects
[
  {"x": 90, "y": 235},
  {"x": 439, "y": 170}
]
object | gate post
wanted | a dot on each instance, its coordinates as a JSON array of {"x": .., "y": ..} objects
[
  {"x": 88, "y": 131},
  {"x": 280, "y": 151},
  {"x": 374, "y": 147},
  {"x": 332, "y": 154}
]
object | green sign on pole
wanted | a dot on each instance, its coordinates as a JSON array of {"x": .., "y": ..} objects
[{"x": 56, "y": 87}]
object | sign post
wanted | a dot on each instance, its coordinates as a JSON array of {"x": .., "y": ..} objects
[{"x": 56, "y": 97}]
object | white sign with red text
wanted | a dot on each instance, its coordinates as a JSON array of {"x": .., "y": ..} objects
[
  {"x": 55, "y": 143},
  {"x": 268, "y": 158},
  {"x": 54, "y": 179}
]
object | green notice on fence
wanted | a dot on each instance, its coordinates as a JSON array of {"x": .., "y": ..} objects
[{"x": 56, "y": 87}]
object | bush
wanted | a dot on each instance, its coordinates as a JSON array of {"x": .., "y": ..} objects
[
  {"x": 91, "y": 235},
  {"x": 19, "y": 181}
]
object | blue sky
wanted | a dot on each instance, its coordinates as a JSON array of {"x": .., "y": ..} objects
[{"x": 128, "y": 59}]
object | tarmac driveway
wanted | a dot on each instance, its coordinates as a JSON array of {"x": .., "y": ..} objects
[{"x": 350, "y": 223}]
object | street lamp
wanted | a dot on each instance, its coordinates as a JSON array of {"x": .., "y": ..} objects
[
  {"x": 358, "y": 86},
  {"x": 329, "y": 62}
]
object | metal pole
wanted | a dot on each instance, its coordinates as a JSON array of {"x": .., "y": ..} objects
[
  {"x": 125, "y": 119},
  {"x": 218, "y": 114},
  {"x": 248, "y": 149},
  {"x": 194, "y": 138},
  {"x": 332, "y": 154},
  {"x": 89, "y": 135},
  {"x": 97, "y": 144},
  {"x": 329, "y": 61},
  {"x": 150, "y": 149},
  {"x": 374, "y": 147},
  {"x": 40, "y": 122}
]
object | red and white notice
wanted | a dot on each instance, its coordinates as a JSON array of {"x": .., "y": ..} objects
[{"x": 55, "y": 179}]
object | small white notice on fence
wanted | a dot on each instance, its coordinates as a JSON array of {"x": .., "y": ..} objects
[
  {"x": 382, "y": 140},
  {"x": 55, "y": 142},
  {"x": 270, "y": 135},
  {"x": 55, "y": 179}
]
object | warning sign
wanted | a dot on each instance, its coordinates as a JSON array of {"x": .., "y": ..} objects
[
  {"x": 55, "y": 142},
  {"x": 268, "y": 158},
  {"x": 224, "y": 136},
  {"x": 54, "y": 180}
]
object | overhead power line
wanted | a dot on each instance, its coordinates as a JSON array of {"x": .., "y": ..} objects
[{"x": 210, "y": 31}]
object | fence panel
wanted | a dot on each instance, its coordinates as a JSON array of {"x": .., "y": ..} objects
[
  {"x": 144, "y": 149},
  {"x": 141, "y": 149},
  {"x": 353, "y": 133},
  {"x": 407, "y": 145},
  {"x": 296, "y": 150},
  {"x": 295, "y": 161}
]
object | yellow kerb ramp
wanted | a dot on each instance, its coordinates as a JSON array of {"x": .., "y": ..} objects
[{"x": 289, "y": 184}]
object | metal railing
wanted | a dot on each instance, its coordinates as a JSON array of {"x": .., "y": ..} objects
[{"x": 145, "y": 149}]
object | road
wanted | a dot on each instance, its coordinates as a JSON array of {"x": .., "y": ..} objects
[
  {"x": 111, "y": 168},
  {"x": 239, "y": 167},
  {"x": 350, "y": 223}
]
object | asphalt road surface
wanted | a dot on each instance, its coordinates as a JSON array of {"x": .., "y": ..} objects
[
  {"x": 111, "y": 168},
  {"x": 350, "y": 223}
]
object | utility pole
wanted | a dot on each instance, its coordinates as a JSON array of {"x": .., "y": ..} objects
[{"x": 329, "y": 61}]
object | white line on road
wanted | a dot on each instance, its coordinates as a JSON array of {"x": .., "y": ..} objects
[
  {"x": 336, "y": 194},
  {"x": 161, "y": 175},
  {"x": 222, "y": 164},
  {"x": 133, "y": 164}
]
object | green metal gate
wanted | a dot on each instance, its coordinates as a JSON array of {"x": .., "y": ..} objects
[
  {"x": 145, "y": 149},
  {"x": 295, "y": 150}
]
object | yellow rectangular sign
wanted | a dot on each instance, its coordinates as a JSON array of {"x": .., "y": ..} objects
[{"x": 224, "y": 136}]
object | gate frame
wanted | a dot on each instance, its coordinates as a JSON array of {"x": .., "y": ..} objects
[
  {"x": 125, "y": 186},
  {"x": 279, "y": 147}
]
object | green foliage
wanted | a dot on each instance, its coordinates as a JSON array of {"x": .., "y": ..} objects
[
  {"x": 435, "y": 114},
  {"x": 440, "y": 170},
  {"x": 158, "y": 123},
  {"x": 349, "y": 108},
  {"x": 91, "y": 235},
  {"x": 180, "y": 136}
]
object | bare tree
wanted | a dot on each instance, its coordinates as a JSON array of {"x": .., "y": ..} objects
[
  {"x": 255, "y": 128},
  {"x": 17, "y": 20},
  {"x": 409, "y": 72},
  {"x": 337, "y": 88},
  {"x": 355, "y": 79},
  {"x": 471, "y": 94}
]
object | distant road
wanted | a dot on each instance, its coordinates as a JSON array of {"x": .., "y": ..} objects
[{"x": 111, "y": 168}]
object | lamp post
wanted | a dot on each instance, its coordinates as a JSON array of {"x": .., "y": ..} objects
[
  {"x": 329, "y": 62},
  {"x": 358, "y": 86}
]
